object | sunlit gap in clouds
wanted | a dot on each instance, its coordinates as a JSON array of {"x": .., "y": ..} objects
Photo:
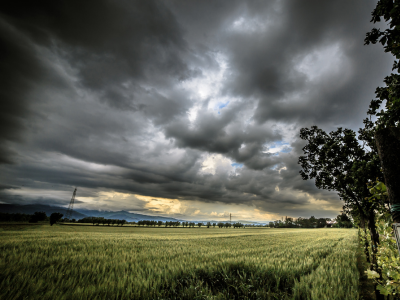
[
  {"x": 208, "y": 88},
  {"x": 278, "y": 147},
  {"x": 198, "y": 210}
]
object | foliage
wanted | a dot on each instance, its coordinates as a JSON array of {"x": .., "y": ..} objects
[
  {"x": 390, "y": 39},
  {"x": 38, "y": 216},
  {"x": 55, "y": 217},
  {"x": 388, "y": 255},
  {"x": 102, "y": 220},
  {"x": 338, "y": 162},
  {"x": 238, "y": 225},
  {"x": 343, "y": 221},
  {"x": 14, "y": 217},
  {"x": 96, "y": 262}
]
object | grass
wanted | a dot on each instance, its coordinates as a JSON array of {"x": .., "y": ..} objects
[{"x": 96, "y": 262}]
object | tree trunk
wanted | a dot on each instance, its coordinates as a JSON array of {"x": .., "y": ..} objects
[
  {"x": 388, "y": 144},
  {"x": 374, "y": 245},
  {"x": 366, "y": 251},
  {"x": 374, "y": 241}
]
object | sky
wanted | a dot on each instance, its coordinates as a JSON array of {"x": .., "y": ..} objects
[{"x": 186, "y": 109}]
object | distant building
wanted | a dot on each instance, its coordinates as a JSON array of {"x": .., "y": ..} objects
[{"x": 330, "y": 223}]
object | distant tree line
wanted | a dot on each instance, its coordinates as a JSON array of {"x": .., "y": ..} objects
[
  {"x": 38, "y": 216},
  {"x": 103, "y": 221},
  {"x": 152, "y": 223},
  {"x": 342, "y": 221},
  {"x": 56, "y": 217},
  {"x": 18, "y": 217}
]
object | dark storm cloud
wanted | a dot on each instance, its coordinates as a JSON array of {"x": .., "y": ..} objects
[
  {"x": 267, "y": 69},
  {"x": 108, "y": 43},
  {"x": 106, "y": 95},
  {"x": 20, "y": 71}
]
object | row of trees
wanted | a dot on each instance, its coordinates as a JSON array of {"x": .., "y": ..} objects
[
  {"x": 41, "y": 216},
  {"x": 102, "y": 220},
  {"x": 350, "y": 163},
  {"x": 342, "y": 221},
  {"x": 186, "y": 224},
  {"x": 18, "y": 217},
  {"x": 38, "y": 216}
]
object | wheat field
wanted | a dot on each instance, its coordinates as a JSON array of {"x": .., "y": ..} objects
[{"x": 101, "y": 262}]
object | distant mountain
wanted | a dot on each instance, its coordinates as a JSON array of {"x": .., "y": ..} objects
[
  {"x": 80, "y": 213},
  {"x": 123, "y": 215}
]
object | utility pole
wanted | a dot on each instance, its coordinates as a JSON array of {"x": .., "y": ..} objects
[{"x": 68, "y": 215}]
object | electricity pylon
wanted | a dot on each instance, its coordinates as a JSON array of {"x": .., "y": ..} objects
[{"x": 68, "y": 215}]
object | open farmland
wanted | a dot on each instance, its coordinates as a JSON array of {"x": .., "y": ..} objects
[{"x": 86, "y": 262}]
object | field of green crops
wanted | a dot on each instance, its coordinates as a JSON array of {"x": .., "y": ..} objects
[{"x": 96, "y": 262}]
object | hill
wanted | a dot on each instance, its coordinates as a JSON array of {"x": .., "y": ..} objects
[{"x": 80, "y": 213}]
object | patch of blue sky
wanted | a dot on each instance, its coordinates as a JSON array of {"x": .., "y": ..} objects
[
  {"x": 279, "y": 147},
  {"x": 237, "y": 165},
  {"x": 286, "y": 150},
  {"x": 278, "y": 144},
  {"x": 222, "y": 105}
]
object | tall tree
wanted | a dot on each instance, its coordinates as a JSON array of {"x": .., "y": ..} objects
[
  {"x": 337, "y": 161},
  {"x": 388, "y": 132}
]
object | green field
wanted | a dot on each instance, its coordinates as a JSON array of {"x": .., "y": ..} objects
[{"x": 96, "y": 262}]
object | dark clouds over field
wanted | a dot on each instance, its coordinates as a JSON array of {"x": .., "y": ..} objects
[{"x": 185, "y": 108}]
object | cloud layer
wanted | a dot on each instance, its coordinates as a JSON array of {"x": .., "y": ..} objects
[{"x": 197, "y": 102}]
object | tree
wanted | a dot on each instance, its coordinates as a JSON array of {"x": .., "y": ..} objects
[
  {"x": 289, "y": 222},
  {"x": 237, "y": 225},
  {"x": 338, "y": 162},
  {"x": 208, "y": 224},
  {"x": 271, "y": 224},
  {"x": 199, "y": 224},
  {"x": 55, "y": 217},
  {"x": 321, "y": 222},
  {"x": 312, "y": 221},
  {"x": 387, "y": 134},
  {"x": 214, "y": 224},
  {"x": 343, "y": 221},
  {"x": 37, "y": 217}
]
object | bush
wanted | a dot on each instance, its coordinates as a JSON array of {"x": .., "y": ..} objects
[{"x": 55, "y": 217}]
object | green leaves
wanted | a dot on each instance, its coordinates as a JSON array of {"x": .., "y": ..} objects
[
  {"x": 378, "y": 191},
  {"x": 338, "y": 162},
  {"x": 390, "y": 40},
  {"x": 372, "y": 274},
  {"x": 388, "y": 261}
]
